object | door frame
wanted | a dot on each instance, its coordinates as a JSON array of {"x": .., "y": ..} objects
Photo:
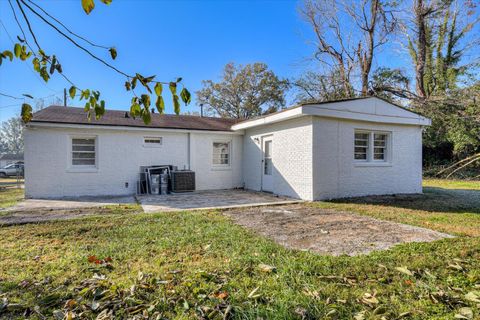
[{"x": 262, "y": 167}]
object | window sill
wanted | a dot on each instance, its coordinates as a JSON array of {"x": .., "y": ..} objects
[
  {"x": 151, "y": 146},
  {"x": 82, "y": 170},
  {"x": 372, "y": 164},
  {"x": 220, "y": 168}
]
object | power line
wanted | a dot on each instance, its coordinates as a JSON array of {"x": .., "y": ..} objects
[
  {"x": 26, "y": 64},
  {"x": 11, "y": 97}
]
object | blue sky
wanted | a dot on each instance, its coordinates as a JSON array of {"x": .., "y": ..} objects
[{"x": 191, "y": 39}]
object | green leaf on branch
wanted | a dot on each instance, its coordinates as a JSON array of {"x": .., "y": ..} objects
[
  {"x": 17, "y": 50},
  {"x": 134, "y": 82},
  {"x": 72, "y": 91},
  {"x": 87, "y": 108},
  {"x": 160, "y": 104},
  {"x": 26, "y": 112},
  {"x": 186, "y": 96},
  {"x": 113, "y": 53},
  {"x": 107, "y": 2},
  {"x": 179, "y": 80},
  {"x": 8, "y": 54},
  {"x": 58, "y": 67},
  {"x": 135, "y": 109},
  {"x": 158, "y": 89},
  {"x": 44, "y": 74},
  {"x": 85, "y": 94},
  {"x": 146, "y": 116},
  {"x": 52, "y": 65},
  {"x": 36, "y": 64},
  {"x": 176, "y": 104},
  {"x": 173, "y": 88},
  {"x": 88, "y": 5},
  {"x": 145, "y": 98}
]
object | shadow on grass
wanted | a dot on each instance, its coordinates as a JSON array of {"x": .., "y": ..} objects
[{"x": 433, "y": 199}]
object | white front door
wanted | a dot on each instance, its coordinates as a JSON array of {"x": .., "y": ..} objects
[{"x": 267, "y": 167}]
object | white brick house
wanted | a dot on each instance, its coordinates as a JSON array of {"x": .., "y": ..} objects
[{"x": 313, "y": 151}]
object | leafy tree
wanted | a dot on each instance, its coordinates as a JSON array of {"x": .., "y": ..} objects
[
  {"x": 244, "y": 91},
  {"x": 439, "y": 37},
  {"x": 28, "y": 48},
  {"x": 11, "y": 135}
]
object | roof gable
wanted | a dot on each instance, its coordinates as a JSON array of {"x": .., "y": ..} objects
[
  {"x": 370, "y": 109},
  {"x": 370, "y": 105}
]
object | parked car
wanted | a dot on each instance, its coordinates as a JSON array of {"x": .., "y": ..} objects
[{"x": 13, "y": 169}]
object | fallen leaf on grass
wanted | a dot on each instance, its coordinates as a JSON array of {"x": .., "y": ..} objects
[
  {"x": 252, "y": 294},
  {"x": 221, "y": 295},
  {"x": 464, "y": 313},
  {"x": 472, "y": 296},
  {"x": 266, "y": 268},
  {"x": 369, "y": 299},
  {"x": 404, "y": 270},
  {"x": 455, "y": 266},
  {"x": 359, "y": 315}
]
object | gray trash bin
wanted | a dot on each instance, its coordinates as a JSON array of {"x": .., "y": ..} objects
[{"x": 155, "y": 183}]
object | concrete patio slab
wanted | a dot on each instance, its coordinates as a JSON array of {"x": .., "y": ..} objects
[
  {"x": 69, "y": 203},
  {"x": 217, "y": 199}
]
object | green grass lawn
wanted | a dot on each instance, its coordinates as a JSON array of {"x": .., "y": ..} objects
[
  {"x": 452, "y": 184},
  {"x": 10, "y": 196},
  {"x": 200, "y": 265}
]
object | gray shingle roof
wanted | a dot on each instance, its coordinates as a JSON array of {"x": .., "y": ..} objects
[{"x": 71, "y": 115}]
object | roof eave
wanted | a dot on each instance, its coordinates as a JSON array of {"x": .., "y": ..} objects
[{"x": 65, "y": 125}]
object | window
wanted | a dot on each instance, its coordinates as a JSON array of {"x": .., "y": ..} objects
[
  {"x": 221, "y": 153},
  {"x": 83, "y": 152},
  {"x": 361, "y": 145},
  {"x": 152, "y": 141},
  {"x": 267, "y": 157},
  {"x": 379, "y": 146},
  {"x": 371, "y": 146}
]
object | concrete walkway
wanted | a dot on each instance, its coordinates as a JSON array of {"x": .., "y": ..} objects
[{"x": 217, "y": 199}]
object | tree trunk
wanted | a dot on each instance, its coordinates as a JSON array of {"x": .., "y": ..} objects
[{"x": 419, "y": 10}]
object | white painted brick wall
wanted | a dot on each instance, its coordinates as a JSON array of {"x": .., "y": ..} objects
[
  {"x": 312, "y": 159},
  {"x": 336, "y": 175},
  {"x": 292, "y": 157},
  {"x": 209, "y": 177},
  {"x": 120, "y": 155}
]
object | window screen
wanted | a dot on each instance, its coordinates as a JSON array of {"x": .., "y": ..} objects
[
  {"x": 361, "y": 145},
  {"x": 221, "y": 153},
  {"x": 83, "y": 152}
]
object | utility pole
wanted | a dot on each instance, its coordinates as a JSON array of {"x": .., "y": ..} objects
[{"x": 64, "y": 97}]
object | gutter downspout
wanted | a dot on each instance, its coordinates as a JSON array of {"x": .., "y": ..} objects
[{"x": 189, "y": 153}]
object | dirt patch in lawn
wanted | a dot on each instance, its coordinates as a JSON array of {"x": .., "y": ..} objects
[{"x": 327, "y": 231}]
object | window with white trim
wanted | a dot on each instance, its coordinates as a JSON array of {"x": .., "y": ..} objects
[
  {"x": 380, "y": 146},
  {"x": 84, "y": 152},
  {"x": 152, "y": 141},
  {"x": 221, "y": 153},
  {"x": 362, "y": 142},
  {"x": 371, "y": 146}
]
